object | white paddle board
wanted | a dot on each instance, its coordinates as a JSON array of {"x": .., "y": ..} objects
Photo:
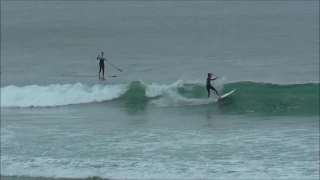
[{"x": 227, "y": 94}]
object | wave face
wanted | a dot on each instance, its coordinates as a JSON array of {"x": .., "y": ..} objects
[
  {"x": 249, "y": 97},
  {"x": 266, "y": 98}
]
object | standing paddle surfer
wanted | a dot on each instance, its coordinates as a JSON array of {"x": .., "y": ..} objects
[
  {"x": 101, "y": 64},
  {"x": 209, "y": 86}
]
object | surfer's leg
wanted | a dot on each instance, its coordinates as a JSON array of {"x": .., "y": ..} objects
[
  {"x": 99, "y": 70},
  {"x": 103, "y": 70},
  {"x": 211, "y": 87},
  {"x": 208, "y": 89}
]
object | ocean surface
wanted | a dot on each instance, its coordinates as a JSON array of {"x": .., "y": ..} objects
[{"x": 154, "y": 120}]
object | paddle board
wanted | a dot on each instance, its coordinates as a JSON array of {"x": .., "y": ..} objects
[
  {"x": 227, "y": 94},
  {"x": 106, "y": 77}
]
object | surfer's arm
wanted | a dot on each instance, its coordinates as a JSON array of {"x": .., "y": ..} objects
[{"x": 214, "y": 79}]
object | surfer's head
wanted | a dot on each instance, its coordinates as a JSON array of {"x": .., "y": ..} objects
[
  {"x": 102, "y": 53},
  {"x": 209, "y": 74}
]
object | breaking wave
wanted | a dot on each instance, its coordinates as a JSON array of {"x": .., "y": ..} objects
[{"x": 249, "y": 96}]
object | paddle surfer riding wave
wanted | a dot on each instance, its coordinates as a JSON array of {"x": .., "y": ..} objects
[{"x": 209, "y": 86}]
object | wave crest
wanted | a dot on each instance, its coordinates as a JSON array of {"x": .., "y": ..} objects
[
  {"x": 57, "y": 95},
  {"x": 250, "y": 97}
]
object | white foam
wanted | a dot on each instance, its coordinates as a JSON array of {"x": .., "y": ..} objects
[
  {"x": 57, "y": 95},
  {"x": 171, "y": 97},
  {"x": 175, "y": 99},
  {"x": 67, "y": 94},
  {"x": 6, "y": 135},
  {"x": 154, "y": 90},
  {"x": 235, "y": 168}
]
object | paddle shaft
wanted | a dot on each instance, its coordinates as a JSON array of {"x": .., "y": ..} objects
[
  {"x": 115, "y": 66},
  {"x": 215, "y": 75}
]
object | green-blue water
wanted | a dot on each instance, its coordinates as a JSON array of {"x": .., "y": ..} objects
[{"x": 154, "y": 120}]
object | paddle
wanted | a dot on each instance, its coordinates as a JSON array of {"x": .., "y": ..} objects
[
  {"x": 115, "y": 66},
  {"x": 216, "y": 75}
]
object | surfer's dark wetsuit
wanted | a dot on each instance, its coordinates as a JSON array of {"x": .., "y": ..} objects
[
  {"x": 101, "y": 65},
  {"x": 209, "y": 86}
]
